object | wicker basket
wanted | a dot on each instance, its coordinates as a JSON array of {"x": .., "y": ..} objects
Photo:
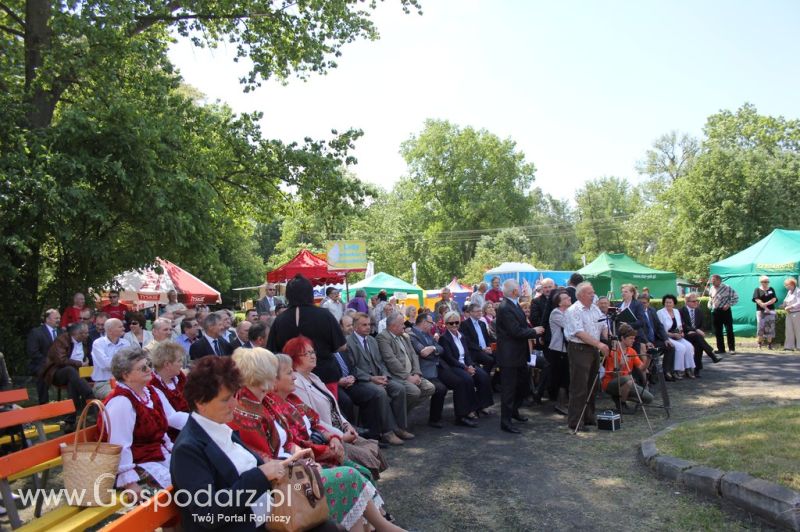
[{"x": 91, "y": 467}]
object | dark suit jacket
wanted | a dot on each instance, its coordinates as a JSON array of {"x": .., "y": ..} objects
[
  {"x": 364, "y": 365},
  {"x": 198, "y": 463},
  {"x": 236, "y": 344},
  {"x": 201, "y": 348},
  {"x": 450, "y": 351},
  {"x": 38, "y": 344},
  {"x": 513, "y": 334},
  {"x": 637, "y": 309},
  {"x": 58, "y": 356},
  {"x": 428, "y": 364},
  {"x": 660, "y": 333},
  {"x": 686, "y": 322},
  {"x": 469, "y": 337}
]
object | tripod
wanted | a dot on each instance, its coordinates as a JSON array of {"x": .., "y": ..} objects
[{"x": 616, "y": 347}]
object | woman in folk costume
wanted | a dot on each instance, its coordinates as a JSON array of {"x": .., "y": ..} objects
[{"x": 139, "y": 416}]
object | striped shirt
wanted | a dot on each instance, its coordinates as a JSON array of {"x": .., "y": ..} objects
[{"x": 721, "y": 296}]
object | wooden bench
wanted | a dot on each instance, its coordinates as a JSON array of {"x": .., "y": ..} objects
[
  {"x": 149, "y": 516},
  {"x": 30, "y": 461},
  {"x": 19, "y": 396}
]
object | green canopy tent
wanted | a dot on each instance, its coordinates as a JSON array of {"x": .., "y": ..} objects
[
  {"x": 610, "y": 271},
  {"x": 384, "y": 281},
  {"x": 777, "y": 256}
]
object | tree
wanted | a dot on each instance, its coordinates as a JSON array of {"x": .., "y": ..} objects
[
  {"x": 604, "y": 205},
  {"x": 106, "y": 161},
  {"x": 465, "y": 181},
  {"x": 670, "y": 157},
  {"x": 740, "y": 186},
  {"x": 508, "y": 245}
]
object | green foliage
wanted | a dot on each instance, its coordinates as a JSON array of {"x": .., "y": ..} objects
[
  {"x": 509, "y": 245},
  {"x": 604, "y": 205},
  {"x": 106, "y": 161}
]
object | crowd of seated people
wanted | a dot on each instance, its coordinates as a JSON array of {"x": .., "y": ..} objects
[{"x": 336, "y": 391}]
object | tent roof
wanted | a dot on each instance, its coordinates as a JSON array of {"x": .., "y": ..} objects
[
  {"x": 620, "y": 262},
  {"x": 149, "y": 285},
  {"x": 777, "y": 252},
  {"x": 387, "y": 282},
  {"x": 456, "y": 287},
  {"x": 314, "y": 268},
  {"x": 512, "y": 267}
]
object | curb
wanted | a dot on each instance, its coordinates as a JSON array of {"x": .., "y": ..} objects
[{"x": 776, "y": 504}]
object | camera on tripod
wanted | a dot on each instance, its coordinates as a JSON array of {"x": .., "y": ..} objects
[{"x": 655, "y": 352}]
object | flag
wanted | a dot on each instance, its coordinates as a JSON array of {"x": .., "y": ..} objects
[{"x": 526, "y": 288}]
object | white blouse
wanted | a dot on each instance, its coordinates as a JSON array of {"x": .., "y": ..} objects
[
  {"x": 792, "y": 301},
  {"x": 242, "y": 459},
  {"x": 459, "y": 346},
  {"x": 122, "y": 417}
]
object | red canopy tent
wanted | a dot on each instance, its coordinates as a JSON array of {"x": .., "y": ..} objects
[
  {"x": 313, "y": 268},
  {"x": 149, "y": 286}
]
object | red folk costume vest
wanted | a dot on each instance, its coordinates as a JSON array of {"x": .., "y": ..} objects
[
  {"x": 175, "y": 397},
  {"x": 151, "y": 424}
]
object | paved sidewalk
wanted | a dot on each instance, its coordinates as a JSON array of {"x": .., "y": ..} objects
[{"x": 547, "y": 479}]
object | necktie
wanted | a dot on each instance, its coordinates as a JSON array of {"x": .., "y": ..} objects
[
  {"x": 216, "y": 347},
  {"x": 53, "y": 334},
  {"x": 342, "y": 364},
  {"x": 691, "y": 317},
  {"x": 651, "y": 334},
  {"x": 366, "y": 346}
]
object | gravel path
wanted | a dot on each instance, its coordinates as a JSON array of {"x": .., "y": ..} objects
[{"x": 548, "y": 479}]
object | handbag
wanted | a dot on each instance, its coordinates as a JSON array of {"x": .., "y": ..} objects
[
  {"x": 91, "y": 467},
  {"x": 304, "y": 505}
]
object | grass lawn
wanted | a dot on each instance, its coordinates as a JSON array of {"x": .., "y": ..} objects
[{"x": 764, "y": 442}]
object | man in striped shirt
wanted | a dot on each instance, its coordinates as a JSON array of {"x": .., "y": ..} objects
[{"x": 722, "y": 298}]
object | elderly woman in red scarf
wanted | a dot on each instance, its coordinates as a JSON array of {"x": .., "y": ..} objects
[
  {"x": 168, "y": 377},
  {"x": 314, "y": 395},
  {"x": 139, "y": 416},
  {"x": 270, "y": 435}
]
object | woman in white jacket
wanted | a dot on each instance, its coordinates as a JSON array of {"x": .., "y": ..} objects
[{"x": 684, "y": 351}]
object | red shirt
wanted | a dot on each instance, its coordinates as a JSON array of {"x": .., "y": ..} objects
[
  {"x": 624, "y": 369},
  {"x": 70, "y": 315},
  {"x": 116, "y": 311},
  {"x": 494, "y": 295}
]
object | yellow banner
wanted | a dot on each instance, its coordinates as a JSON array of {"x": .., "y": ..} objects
[{"x": 347, "y": 254}]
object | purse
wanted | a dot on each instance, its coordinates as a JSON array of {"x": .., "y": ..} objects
[
  {"x": 304, "y": 505},
  {"x": 91, "y": 467}
]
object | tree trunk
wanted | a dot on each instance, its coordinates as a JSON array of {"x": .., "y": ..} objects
[{"x": 38, "y": 36}]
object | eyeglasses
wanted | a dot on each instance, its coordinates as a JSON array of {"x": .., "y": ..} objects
[
  {"x": 270, "y": 289},
  {"x": 454, "y": 323},
  {"x": 310, "y": 354},
  {"x": 134, "y": 323},
  {"x": 147, "y": 368}
]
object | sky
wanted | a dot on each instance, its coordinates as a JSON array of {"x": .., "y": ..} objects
[{"x": 582, "y": 87}]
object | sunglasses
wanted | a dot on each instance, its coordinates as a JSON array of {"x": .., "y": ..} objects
[
  {"x": 147, "y": 368},
  {"x": 454, "y": 323}
]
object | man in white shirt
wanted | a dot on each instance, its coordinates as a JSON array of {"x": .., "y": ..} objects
[
  {"x": 103, "y": 350},
  {"x": 177, "y": 309},
  {"x": 585, "y": 328},
  {"x": 333, "y": 302},
  {"x": 479, "y": 297}
]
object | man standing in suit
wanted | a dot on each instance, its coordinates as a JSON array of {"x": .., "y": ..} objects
[
  {"x": 365, "y": 362},
  {"x": 402, "y": 362},
  {"x": 39, "y": 341},
  {"x": 268, "y": 302},
  {"x": 512, "y": 355},
  {"x": 66, "y": 355},
  {"x": 210, "y": 341},
  {"x": 477, "y": 339},
  {"x": 692, "y": 321}
]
